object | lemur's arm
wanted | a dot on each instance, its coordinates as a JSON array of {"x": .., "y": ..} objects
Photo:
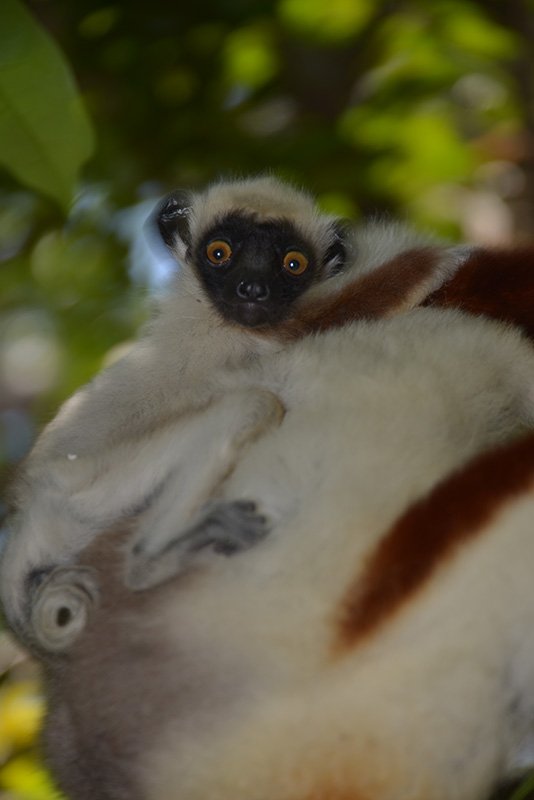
[{"x": 498, "y": 284}]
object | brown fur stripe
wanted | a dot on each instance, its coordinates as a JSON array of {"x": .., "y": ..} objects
[
  {"x": 382, "y": 292},
  {"x": 335, "y": 794},
  {"x": 498, "y": 284},
  {"x": 454, "y": 512}
]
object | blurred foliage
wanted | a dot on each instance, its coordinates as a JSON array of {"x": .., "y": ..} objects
[
  {"x": 525, "y": 790},
  {"x": 44, "y": 132},
  {"x": 22, "y": 776},
  {"x": 422, "y": 109}
]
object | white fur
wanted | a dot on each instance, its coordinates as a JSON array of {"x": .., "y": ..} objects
[
  {"x": 177, "y": 368},
  {"x": 438, "y": 703},
  {"x": 268, "y": 199}
]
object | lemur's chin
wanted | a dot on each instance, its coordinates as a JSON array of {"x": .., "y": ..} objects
[{"x": 251, "y": 315}]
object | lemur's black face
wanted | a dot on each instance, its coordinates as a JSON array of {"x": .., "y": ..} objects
[{"x": 253, "y": 271}]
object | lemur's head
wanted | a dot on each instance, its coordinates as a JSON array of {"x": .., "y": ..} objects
[{"x": 255, "y": 245}]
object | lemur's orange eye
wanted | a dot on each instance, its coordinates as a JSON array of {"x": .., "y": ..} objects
[
  {"x": 295, "y": 262},
  {"x": 218, "y": 252}
]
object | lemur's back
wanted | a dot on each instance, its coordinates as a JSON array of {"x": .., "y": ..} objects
[{"x": 376, "y": 645}]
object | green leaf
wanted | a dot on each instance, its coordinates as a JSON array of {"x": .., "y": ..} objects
[
  {"x": 332, "y": 21},
  {"x": 524, "y": 792},
  {"x": 45, "y": 135},
  {"x": 249, "y": 55}
]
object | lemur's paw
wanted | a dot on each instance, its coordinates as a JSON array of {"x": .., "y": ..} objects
[
  {"x": 224, "y": 528},
  {"x": 60, "y": 607}
]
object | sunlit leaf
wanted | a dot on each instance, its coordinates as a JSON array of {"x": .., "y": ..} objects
[
  {"x": 44, "y": 133},
  {"x": 249, "y": 56},
  {"x": 423, "y": 150},
  {"x": 433, "y": 147},
  {"x": 331, "y": 21},
  {"x": 368, "y": 127},
  {"x": 21, "y": 712},
  {"x": 27, "y": 780},
  {"x": 465, "y": 26},
  {"x": 411, "y": 48}
]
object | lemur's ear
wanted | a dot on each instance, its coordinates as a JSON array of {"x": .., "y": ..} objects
[
  {"x": 336, "y": 254},
  {"x": 172, "y": 217}
]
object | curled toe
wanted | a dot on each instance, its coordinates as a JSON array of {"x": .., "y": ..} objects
[{"x": 61, "y": 607}]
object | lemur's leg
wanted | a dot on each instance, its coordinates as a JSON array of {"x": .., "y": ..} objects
[
  {"x": 184, "y": 462},
  {"x": 194, "y": 452},
  {"x": 179, "y": 509}
]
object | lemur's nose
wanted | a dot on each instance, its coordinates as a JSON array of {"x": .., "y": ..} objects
[{"x": 253, "y": 290}]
